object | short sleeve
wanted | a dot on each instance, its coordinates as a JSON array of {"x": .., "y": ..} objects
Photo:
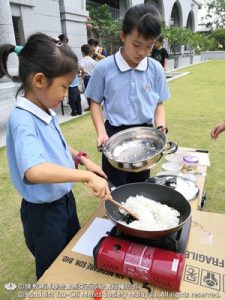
[
  {"x": 96, "y": 85},
  {"x": 28, "y": 150}
]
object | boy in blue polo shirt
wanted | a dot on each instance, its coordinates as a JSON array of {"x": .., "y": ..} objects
[{"x": 131, "y": 86}]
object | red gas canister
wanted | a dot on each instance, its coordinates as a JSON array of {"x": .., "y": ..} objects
[{"x": 160, "y": 267}]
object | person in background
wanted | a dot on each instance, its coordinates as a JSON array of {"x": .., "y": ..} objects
[
  {"x": 41, "y": 163},
  {"x": 159, "y": 53},
  {"x": 63, "y": 38},
  {"x": 131, "y": 86},
  {"x": 217, "y": 130},
  {"x": 97, "y": 52},
  {"x": 87, "y": 66},
  {"x": 74, "y": 97}
]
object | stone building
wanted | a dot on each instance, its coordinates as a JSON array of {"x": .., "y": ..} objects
[{"x": 20, "y": 18}]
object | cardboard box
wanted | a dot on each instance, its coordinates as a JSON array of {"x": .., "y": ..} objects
[{"x": 74, "y": 276}]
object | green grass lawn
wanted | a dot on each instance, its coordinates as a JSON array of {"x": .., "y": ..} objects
[{"x": 197, "y": 104}]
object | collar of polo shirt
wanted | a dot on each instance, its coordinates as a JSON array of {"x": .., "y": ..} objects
[
  {"x": 24, "y": 103},
  {"x": 123, "y": 65}
]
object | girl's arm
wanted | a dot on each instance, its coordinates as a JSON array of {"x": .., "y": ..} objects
[
  {"x": 97, "y": 118},
  {"x": 48, "y": 173},
  {"x": 52, "y": 173},
  {"x": 89, "y": 164}
]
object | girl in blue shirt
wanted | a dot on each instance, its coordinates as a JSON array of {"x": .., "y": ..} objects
[
  {"x": 131, "y": 86},
  {"x": 41, "y": 163}
]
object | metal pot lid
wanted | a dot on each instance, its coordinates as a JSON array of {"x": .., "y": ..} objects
[{"x": 183, "y": 185}]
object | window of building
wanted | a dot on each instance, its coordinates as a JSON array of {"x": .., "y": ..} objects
[
  {"x": 111, "y": 3},
  {"x": 17, "y": 30}
]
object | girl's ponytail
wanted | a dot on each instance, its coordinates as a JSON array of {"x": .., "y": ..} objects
[
  {"x": 40, "y": 54},
  {"x": 5, "y": 50}
]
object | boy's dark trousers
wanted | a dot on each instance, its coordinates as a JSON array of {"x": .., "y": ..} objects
[
  {"x": 86, "y": 80},
  {"x": 117, "y": 177},
  {"x": 48, "y": 228},
  {"x": 75, "y": 101}
]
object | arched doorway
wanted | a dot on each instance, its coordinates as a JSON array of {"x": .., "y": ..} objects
[
  {"x": 176, "y": 15},
  {"x": 190, "y": 21},
  {"x": 190, "y": 25}
]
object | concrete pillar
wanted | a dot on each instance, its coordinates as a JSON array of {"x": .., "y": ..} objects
[
  {"x": 7, "y": 33},
  {"x": 124, "y": 5},
  {"x": 73, "y": 20}
]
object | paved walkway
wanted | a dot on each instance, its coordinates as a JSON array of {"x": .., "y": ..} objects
[{"x": 7, "y": 107}]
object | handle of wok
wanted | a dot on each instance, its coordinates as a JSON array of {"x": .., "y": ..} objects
[
  {"x": 171, "y": 148},
  {"x": 110, "y": 198}
]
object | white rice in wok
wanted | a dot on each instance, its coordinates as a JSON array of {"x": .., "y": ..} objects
[{"x": 153, "y": 216}]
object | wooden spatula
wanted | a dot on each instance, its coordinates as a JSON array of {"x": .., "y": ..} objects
[{"x": 122, "y": 207}]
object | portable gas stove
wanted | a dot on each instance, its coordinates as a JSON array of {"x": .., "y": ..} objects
[{"x": 159, "y": 261}]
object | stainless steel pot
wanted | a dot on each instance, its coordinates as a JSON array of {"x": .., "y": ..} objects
[{"x": 137, "y": 149}]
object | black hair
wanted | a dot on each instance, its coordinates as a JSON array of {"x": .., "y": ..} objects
[
  {"x": 145, "y": 18},
  {"x": 85, "y": 49},
  {"x": 63, "y": 38},
  {"x": 92, "y": 42},
  {"x": 41, "y": 53}
]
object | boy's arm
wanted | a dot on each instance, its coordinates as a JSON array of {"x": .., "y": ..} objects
[
  {"x": 97, "y": 118},
  {"x": 165, "y": 64},
  {"x": 160, "y": 117}
]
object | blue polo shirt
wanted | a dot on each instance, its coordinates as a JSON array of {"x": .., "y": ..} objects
[
  {"x": 34, "y": 137},
  {"x": 129, "y": 95}
]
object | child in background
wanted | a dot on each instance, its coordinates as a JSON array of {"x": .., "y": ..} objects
[
  {"x": 159, "y": 53},
  {"x": 87, "y": 66},
  {"x": 74, "y": 97},
  {"x": 97, "y": 52},
  {"x": 131, "y": 86},
  {"x": 63, "y": 38},
  {"x": 41, "y": 164}
]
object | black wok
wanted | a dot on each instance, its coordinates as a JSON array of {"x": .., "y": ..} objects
[{"x": 159, "y": 193}]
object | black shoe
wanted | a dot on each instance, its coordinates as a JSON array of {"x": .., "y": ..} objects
[{"x": 73, "y": 114}]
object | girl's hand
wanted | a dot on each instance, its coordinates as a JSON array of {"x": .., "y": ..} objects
[
  {"x": 99, "y": 186},
  {"x": 93, "y": 167},
  {"x": 215, "y": 132}
]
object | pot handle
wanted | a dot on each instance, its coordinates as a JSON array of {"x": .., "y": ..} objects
[
  {"x": 101, "y": 147},
  {"x": 171, "y": 147}
]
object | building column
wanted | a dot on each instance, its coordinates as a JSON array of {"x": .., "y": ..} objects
[
  {"x": 73, "y": 20},
  {"x": 7, "y": 32}
]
